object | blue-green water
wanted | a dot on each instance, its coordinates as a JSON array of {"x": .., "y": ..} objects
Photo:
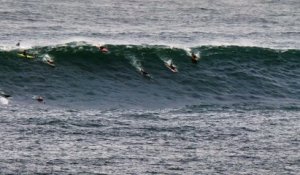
[{"x": 234, "y": 112}]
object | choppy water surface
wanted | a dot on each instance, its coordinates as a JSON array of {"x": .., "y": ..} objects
[
  {"x": 193, "y": 140},
  {"x": 270, "y": 23}
]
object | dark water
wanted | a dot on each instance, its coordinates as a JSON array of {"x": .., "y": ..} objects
[
  {"x": 193, "y": 140},
  {"x": 234, "y": 112},
  {"x": 84, "y": 77}
]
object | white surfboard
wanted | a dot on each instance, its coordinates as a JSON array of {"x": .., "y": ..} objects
[
  {"x": 48, "y": 60},
  {"x": 168, "y": 65}
]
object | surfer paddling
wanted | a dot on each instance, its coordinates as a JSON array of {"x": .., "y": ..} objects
[
  {"x": 144, "y": 73},
  {"x": 50, "y": 61},
  {"x": 103, "y": 49},
  {"x": 173, "y": 68},
  {"x": 194, "y": 58},
  {"x": 24, "y": 53},
  {"x": 38, "y": 98},
  {"x": 2, "y": 94}
]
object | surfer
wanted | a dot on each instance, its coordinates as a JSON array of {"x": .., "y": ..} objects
[
  {"x": 194, "y": 58},
  {"x": 25, "y": 53},
  {"x": 169, "y": 64},
  {"x": 172, "y": 66},
  {"x": 50, "y": 61},
  {"x": 103, "y": 49},
  {"x": 38, "y": 98},
  {"x": 18, "y": 44},
  {"x": 144, "y": 73},
  {"x": 5, "y": 95}
]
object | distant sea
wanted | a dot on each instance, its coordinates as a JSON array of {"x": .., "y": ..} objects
[{"x": 235, "y": 111}]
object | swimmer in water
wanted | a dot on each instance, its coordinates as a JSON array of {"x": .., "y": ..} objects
[
  {"x": 144, "y": 73},
  {"x": 172, "y": 66},
  {"x": 39, "y": 99},
  {"x": 103, "y": 49},
  {"x": 24, "y": 53},
  {"x": 194, "y": 58}
]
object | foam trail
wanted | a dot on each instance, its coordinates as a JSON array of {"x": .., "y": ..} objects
[
  {"x": 4, "y": 101},
  {"x": 135, "y": 63}
]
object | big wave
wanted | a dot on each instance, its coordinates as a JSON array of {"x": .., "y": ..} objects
[{"x": 85, "y": 76}]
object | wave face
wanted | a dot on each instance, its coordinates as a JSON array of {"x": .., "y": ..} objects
[{"x": 87, "y": 77}]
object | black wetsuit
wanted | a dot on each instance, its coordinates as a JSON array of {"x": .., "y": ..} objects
[
  {"x": 172, "y": 67},
  {"x": 194, "y": 58},
  {"x": 144, "y": 73},
  {"x": 25, "y": 53}
]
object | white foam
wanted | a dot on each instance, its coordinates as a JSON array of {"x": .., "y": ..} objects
[
  {"x": 4, "y": 101},
  {"x": 100, "y": 41}
]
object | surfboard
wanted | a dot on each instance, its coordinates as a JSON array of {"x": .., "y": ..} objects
[
  {"x": 48, "y": 60},
  {"x": 50, "y": 64},
  {"x": 23, "y": 56},
  {"x": 168, "y": 65},
  {"x": 5, "y": 95},
  {"x": 144, "y": 75}
]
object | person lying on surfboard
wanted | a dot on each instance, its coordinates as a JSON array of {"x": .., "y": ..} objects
[
  {"x": 103, "y": 49},
  {"x": 38, "y": 98},
  {"x": 50, "y": 61},
  {"x": 169, "y": 64},
  {"x": 144, "y": 73},
  {"x": 25, "y": 53},
  {"x": 172, "y": 66},
  {"x": 4, "y": 95},
  {"x": 194, "y": 58}
]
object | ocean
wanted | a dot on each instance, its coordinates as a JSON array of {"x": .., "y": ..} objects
[{"x": 235, "y": 111}]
